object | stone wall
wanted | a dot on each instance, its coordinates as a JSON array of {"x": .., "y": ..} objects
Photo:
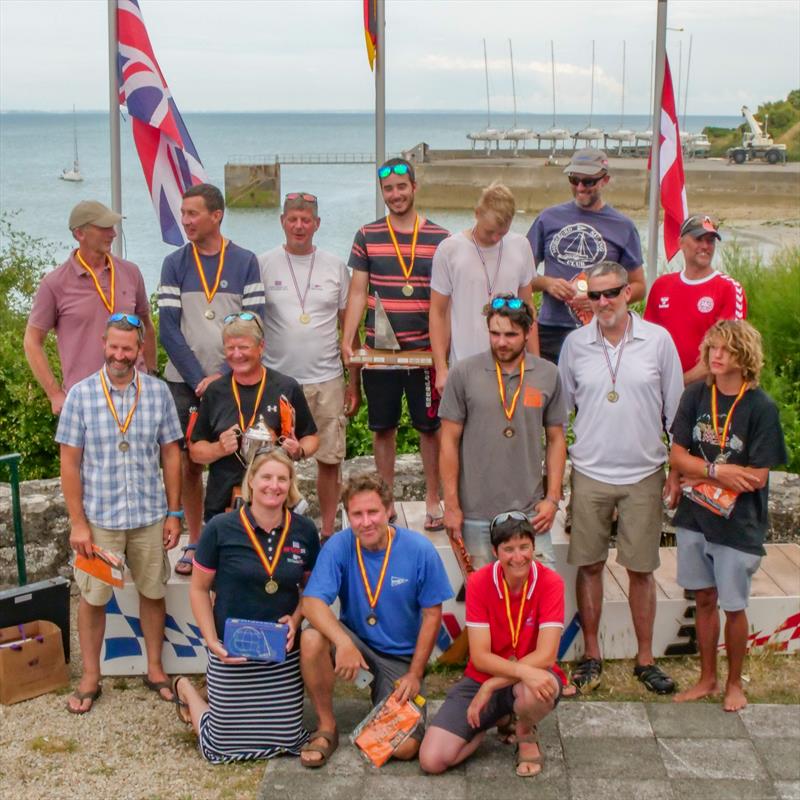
[{"x": 46, "y": 524}]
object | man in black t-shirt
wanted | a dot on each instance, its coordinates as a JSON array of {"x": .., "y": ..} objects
[
  {"x": 726, "y": 436},
  {"x": 233, "y": 403}
]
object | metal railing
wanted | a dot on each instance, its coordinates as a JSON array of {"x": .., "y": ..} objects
[{"x": 303, "y": 158}]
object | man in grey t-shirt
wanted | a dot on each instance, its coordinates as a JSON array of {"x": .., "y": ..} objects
[
  {"x": 574, "y": 236},
  {"x": 495, "y": 406}
]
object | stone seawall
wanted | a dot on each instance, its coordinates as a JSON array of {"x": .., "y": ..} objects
[{"x": 46, "y": 524}]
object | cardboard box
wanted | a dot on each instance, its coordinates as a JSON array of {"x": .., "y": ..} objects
[{"x": 31, "y": 661}]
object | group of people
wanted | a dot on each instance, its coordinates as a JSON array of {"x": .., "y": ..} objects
[{"x": 260, "y": 345}]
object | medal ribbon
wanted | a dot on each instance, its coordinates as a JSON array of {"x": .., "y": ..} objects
[
  {"x": 515, "y": 629},
  {"x": 407, "y": 270},
  {"x": 107, "y": 302},
  {"x": 269, "y": 566},
  {"x": 373, "y": 598},
  {"x": 209, "y": 292},
  {"x": 302, "y": 299},
  {"x": 509, "y": 411},
  {"x": 123, "y": 426},
  {"x": 238, "y": 400},
  {"x": 489, "y": 285},
  {"x": 613, "y": 372},
  {"x": 721, "y": 440}
]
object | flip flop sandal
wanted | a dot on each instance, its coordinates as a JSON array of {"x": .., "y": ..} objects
[
  {"x": 81, "y": 696},
  {"x": 586, "y": 676},
  {"x": 186, "y": 559},
  {"x": 433, "y": 523},
  {"x": 529, "y": 738},
  {"x": 654, "y": 678},
  {"x": 183, "y": 715},
  {"x": 325, "y": 750},
  {"x": 157, "y": 686}
]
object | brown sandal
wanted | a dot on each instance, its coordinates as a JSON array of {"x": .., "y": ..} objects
[
  {"x": 529, "y": 738},
  {"x": 181, "y": 707},
  {"x": 325, "y": 750}
]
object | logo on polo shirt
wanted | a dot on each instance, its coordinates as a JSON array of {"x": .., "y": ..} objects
[
  {"x": 578, "y": 245},
  {"x": 705, "y": 304},
  {"x": 223, "y": 284},
  {"x": 663, "y": 302},
  {"x": 398, "y": 581}
]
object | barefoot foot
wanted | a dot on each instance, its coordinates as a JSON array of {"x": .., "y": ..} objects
[
  {"x": 735, "y": 699},
  {"x": 697, "y": 692}
]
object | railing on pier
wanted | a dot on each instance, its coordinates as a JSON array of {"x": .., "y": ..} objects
[{"x": 304, "y": 158}]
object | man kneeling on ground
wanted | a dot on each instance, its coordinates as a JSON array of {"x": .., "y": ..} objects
[
  {"x": 514, "y": 616},
  {"x": 391, "y": 584}
]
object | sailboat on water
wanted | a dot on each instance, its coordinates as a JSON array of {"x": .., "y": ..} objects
[
  {"x": 553, "y": 134},
  {"x": 74, "y": 174},
  {"x": 589, "y": 134},
  {"x": 623, "y": 136},
  {"x": 489, "y": 134}
]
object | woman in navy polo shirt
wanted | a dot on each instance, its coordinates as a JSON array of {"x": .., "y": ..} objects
[{"x": 256, "y": 561}]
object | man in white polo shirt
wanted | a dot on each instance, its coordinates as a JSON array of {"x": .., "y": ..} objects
[
  {"x": 306, "y": 294},
  {"x": 623, "y": 377},
  {"x": 469, "y": 269}
]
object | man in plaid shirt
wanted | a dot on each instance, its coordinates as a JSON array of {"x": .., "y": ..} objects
[{"x": 116, "y": 427}]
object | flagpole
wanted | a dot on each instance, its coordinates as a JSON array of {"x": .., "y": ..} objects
[
  {"x": 380, "y": 99},
  {"x": 655, "y": 165},
  {"x": 113, "y": 123}
]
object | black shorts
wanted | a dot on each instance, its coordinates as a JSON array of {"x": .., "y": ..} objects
[
  {"x": 551, "y": 340},
  {"x": 384, "y": 390},
  {"x": 185, "y": 400}
]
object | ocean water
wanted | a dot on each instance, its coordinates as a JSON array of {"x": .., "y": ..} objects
[{"x": 34, "y": 148}]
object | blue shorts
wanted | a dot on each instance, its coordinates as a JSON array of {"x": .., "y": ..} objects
[{"x": 705, "y": 565}]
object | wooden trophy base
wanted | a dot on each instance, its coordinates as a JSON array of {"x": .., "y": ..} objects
[{"x": 392, "y": 358}]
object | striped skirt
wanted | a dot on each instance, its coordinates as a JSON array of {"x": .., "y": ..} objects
[{"x": 255, "y": 710}]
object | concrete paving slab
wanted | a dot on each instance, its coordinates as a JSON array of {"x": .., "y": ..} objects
[
  {"x": 609, "y": 789},
  {"x": 717, "y": 759},
  {"x": 581, "y": 719},
  {"x": 496, "y": 760},
  {"x": 312, "y": 785},
  {"x": 699, "y": 789},
  {"x": 774, "y": 721},
  {"x": 788, "y": 790},
  {"x": 781, "y": 756},
  {"x": 450, "y": 786},
  {"x": 513, "y": 788},
  {"x": 621, "y": 758},
  {"x": 694, "y": 720}
]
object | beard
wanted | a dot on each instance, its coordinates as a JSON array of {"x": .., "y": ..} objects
[{"x": 119, "y": 368}]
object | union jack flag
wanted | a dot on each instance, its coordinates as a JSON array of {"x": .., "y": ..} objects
[{"x": 169, "y": 159}]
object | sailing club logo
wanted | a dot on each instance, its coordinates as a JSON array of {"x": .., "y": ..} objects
[{"x": 578, "y": 245}]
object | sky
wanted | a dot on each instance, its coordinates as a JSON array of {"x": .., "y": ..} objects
[{"x": 274, "y": 55}]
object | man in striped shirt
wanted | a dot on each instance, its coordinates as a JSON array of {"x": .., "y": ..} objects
[{"x": 392, "y": 259}]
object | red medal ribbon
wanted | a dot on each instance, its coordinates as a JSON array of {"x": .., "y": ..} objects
[
  {"x": 509, "y": 410},
  {"x": 123, "y": 426},
  {"x": 260, "y": 394},
  {"x": 209, "y": 292},
  {"x": 407, "y": 270},
  {"x": 515, "y": 629},
  {"x": 269, "y": 566},
  {"x": 722, "y": 439},
  {"x": 107, "y": 302},
  {"x": 373, "y": 598}
]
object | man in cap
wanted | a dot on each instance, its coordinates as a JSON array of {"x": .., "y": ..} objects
[
  {"x": 201, "y": 284},
  {"x": 75, "y": 300},
  {"x": 574, "y": 236},
  {"x": 689, "y": 302}
]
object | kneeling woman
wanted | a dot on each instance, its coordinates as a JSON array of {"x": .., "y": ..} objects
[{"x": 256, "y": 561}]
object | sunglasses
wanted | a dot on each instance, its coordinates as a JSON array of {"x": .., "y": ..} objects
[
  {"x": 398, "y": 169},
  {"x": 587, "y": 182},
  {"x": 309, "y": 198},
  {"x": 514, "y": 303},
  {"x": 505, "y": 516},
  {"x": 245, "y": 316},
  {"x": 607, "y": 293},
  {"x": 131, "y": 319}
]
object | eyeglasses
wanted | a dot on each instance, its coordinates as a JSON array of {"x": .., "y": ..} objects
[
  {"x": 607, "y": 293},
  {"x": 398, "y": 169},
  {"x": 309, "y": 198},
  {"x": 131, "y": 319},
  {"x": 505, "y": 516},
  {"x": 514, "y": 303},
  {"x": 245, "y": 316},
  {"x": 587, "y": 182}
]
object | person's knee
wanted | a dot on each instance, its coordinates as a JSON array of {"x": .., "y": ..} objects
[
  {"x": 706, "y": 599},
  {"x": 641, "y": 578},
  {"x": 591, "y": 570},
  {"x": 312, "y": 645},
  {"x": 430, "y": 761},
  {"x": 407, "y": 750},
  {"x": 385, "y": 435}
]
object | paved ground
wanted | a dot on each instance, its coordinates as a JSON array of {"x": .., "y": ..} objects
[{"x": 595, "y": 751}]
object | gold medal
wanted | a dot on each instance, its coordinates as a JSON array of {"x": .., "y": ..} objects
[
  {"x": 237, "y": 399},
  {"x": 407, "y": 269},
  {"x": 408, "y": 290},
  {"x": 509, "y": 410},
  {"x": 271, "y": 586},
  {"x": 508, "y": 432},
  {"x": 209, "y": 292},
  {"x": 124, "y": 446},
  {"x": 209, "y": 314},
  {"x": 372, "y": 619},
  {"x": 514, "y": 629},
  {"x": 305, "y": 318},
  {"x": 372, "y": 597},
  {"x": 612, "y": 396}
]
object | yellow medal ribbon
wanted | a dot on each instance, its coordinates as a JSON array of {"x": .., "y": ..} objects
[
  {"x": 373, "y": 598},
  {"x": 407, "y": 270},
  {"x": 515, "y": 629},
  {"x": 269, "y": 566},
  {"x": 721, "y": 440},
  {"x": 123, "y": 426},
  {"x": 209, "y": 292},
  {"x": 509, "y": 410},
  {"x": 107, "y": 302},
  {"x": 260, "y": 394}
]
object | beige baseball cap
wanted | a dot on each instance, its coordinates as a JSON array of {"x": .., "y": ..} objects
[
  {"x": 92, "y": 212},
  {"x": 587, "y": 162}
]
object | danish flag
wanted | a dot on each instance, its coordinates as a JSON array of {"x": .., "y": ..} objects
[{"x": 169, "y": 159}]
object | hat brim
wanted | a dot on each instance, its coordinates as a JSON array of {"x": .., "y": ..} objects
[
  {"x": 105, "y": 220},
  {"x": 696, "y": 233},
  {"x": 590, "y": 170}
]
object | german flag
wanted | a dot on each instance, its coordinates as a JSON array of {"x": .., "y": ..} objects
[{"x": 371, "y": 30}]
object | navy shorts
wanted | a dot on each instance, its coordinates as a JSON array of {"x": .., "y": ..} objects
[
  {"x": 384, "y": 389},
  {"x": 185, "y": 400}
]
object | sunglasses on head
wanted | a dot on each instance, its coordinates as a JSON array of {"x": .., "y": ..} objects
[
  {"x": 505, "y": 516},
  {"x": 131, "y": 319},
  {"x": 607, "y": 293},
  {"x": 309, "y": 198},
  {"x": 398, "y": 169},
  {"x": 587, "y": 182},
  {"x": 246, "y": 316},
  {"x": 514, "y": 303}
]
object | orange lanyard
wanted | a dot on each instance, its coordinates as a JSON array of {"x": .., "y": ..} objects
[
  {"x": 107, "y": 302},
  {"x": 407, "y": 270},
  {"x": 269, "y": 566},
  {"x": 209, "y": 292},
  {"x": 721, "y": 440},
  {"x": 123, "y": 426},
  {"x": 515, "y": 629},
  {"x": 238, "y": 400},
  {"x": 509, "y": 410},
  {"x": 373, "y": 598}
]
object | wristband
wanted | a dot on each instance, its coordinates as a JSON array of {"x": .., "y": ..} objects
[
  {"x": 177, "y": 514},
  {"x": 712, "y": 471}
]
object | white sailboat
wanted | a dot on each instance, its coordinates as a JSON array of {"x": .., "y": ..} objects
[
  {"x": 74, "y": 174},
  {"x": 647, "y": 136},
  {"x": 516, "y": 134},
  {"x": 489, "y": 134},
  {"x": 622, "y": 135},
  {"x": 553, "y": 134},
  {"x": 589, "y": 134}
]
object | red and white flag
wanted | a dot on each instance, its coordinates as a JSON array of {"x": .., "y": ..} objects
[{"x": 672, "y": 181}]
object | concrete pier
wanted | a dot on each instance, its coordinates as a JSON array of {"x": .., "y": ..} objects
[{"x": 252, "y": 185}]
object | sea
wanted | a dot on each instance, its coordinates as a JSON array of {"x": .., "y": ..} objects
[{"x": 35, "y": 147}]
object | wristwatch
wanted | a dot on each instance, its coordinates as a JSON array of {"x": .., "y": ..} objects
[{"x": 178, "y": 513}]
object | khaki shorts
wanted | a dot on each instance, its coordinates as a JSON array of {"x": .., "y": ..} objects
[
  {"x": 639, "y": 506},
  {"x": 144, "y": 554},
  {"x": 326, "y": 401}
]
